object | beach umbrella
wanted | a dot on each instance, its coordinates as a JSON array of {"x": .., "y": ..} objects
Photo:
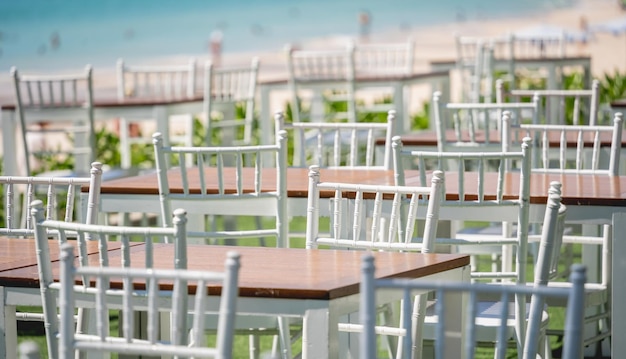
[
  {"x": 550, "y": 40},
  {"x": 615, "y": 26}
]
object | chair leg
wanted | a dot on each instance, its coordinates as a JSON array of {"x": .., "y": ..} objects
[{"x": 284, "y": 337}]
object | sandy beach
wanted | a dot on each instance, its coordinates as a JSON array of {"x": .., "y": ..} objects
[{"x": 608, "y": 51}]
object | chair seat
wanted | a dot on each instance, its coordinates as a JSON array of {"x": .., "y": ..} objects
[
  {"x": 595, "y": 294},
  {"x": 487, "y": 320}
]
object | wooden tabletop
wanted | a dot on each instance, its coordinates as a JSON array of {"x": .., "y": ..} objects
[
  {"x": 520, "y": 60},
  {"x": 577, "y": 189},
  {"x": 268, "y": 272},
  {"x": 369, "y": 78},
  {"x": 619, "y": 104},
  {"x": 429, "y": 138},
  {"x": 302, "y": 273},
  {"x": 587, "y": 190},
  {"x": 20, "y": 254},
  {"x": 297, "y": 181}
]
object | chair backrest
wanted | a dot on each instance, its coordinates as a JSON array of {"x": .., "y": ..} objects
[
  {"x": 46, "y": 104},
  {"x": 476, "y": 126},
  {"x": 586, "y": 141},
  {"x": 61, "y": 195},
  {"x": 373, "y": 217},
  {"x": 339, "y": 144},
  {"x": 323, "y": 70},
  {"x": 572, "y": 347},
  {"x": 229, "y": 86},
  {"x": 536, "y": 46},
  {"x": 250, "y": 167},
  {"x": 83, "y": 234},
  {"x": 475, "y": 61},
  {"x": 171, "y": 82},
  {"x": 388, "y": 59},
  {"x": 141, "y": 288},
  {"x": 474, "y": 197},
  {"x": 558, "y": 107}
]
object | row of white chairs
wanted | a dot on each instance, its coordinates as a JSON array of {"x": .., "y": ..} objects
[
  {"x": 197, "y": 152},
  {"x": 476, "y": 60},
  {"x": 223, "y": 87},
  {"x": 74, "y": 93}
]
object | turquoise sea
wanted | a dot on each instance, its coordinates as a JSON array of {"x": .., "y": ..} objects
[{"x": 58, "y": 34}]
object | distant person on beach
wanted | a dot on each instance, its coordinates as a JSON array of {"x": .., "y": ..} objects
[
  {"x": 55, "y": 41},
  {"x": 216, "y": 47},
  {"x": 365, "y": 21}
]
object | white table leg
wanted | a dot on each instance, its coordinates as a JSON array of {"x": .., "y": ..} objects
[
  {"x": 9, "y": 144},
  {"x": 8, "y": 328},
  {"x": 265, "y": 117},
  {"x": 319, "y": 333},
  {"x": 618, "y": 292}
]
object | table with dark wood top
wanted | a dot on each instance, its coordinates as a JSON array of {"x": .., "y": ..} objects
[
  {"x": 553, "y": 66},
  {"x": 318, "y": 285},
  {"x": 427, "y": 140},
  {"x": 579, "y": 192}
]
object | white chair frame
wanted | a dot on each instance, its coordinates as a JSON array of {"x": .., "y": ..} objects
[
  {"x": 45, "y": 93},
  {"x": 370, "y": 284},
  {"x": 339, "y": 144},
  {"x": 63, "y": 231},
  {"x": 133, "y": 299},
  {"x": 224, "y": 87},
  {"x": 199, "y": 203},
  {"x": 585, "y": 163},
  {"x": 552, "y": 103},
  {"x": 381, "y": 224},
  {"x": 154, "y": 82},
  {"x": 332, "y": 68},
  {"x": 475, "y": 118}
]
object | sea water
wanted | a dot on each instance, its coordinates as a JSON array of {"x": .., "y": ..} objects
[{"x": 59, "y": 34}]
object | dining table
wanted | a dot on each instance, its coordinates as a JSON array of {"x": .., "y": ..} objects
[
  {"x": 318, "y": 285},
  {"x": 590, "y": 199},
  {"x": 554, "y": 66}
]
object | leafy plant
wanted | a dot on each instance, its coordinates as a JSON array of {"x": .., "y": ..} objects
[{"x": 612, "y": 87}]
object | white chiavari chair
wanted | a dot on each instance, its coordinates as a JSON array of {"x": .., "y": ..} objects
[
  {"x": 155, "y": 299},
  {"x": 338, "y": 144},
  {"x": 596, "y": 240},
  {"x": 225, "y": 88},
  {"x": 330, "y": 75},
  {"x": 61, "y": 196},
  {"x": 155, "y": 83},
  {"x": 557, "y": 107},
  {"x": 79, "y": 235},
  {"x": 370, "y": 284},
  {"x": 243, "y": 164},
  {"x": 469, "y": 177},
  {"x": 381, "y": 218},
  {"x": 56, "y": 120}
]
